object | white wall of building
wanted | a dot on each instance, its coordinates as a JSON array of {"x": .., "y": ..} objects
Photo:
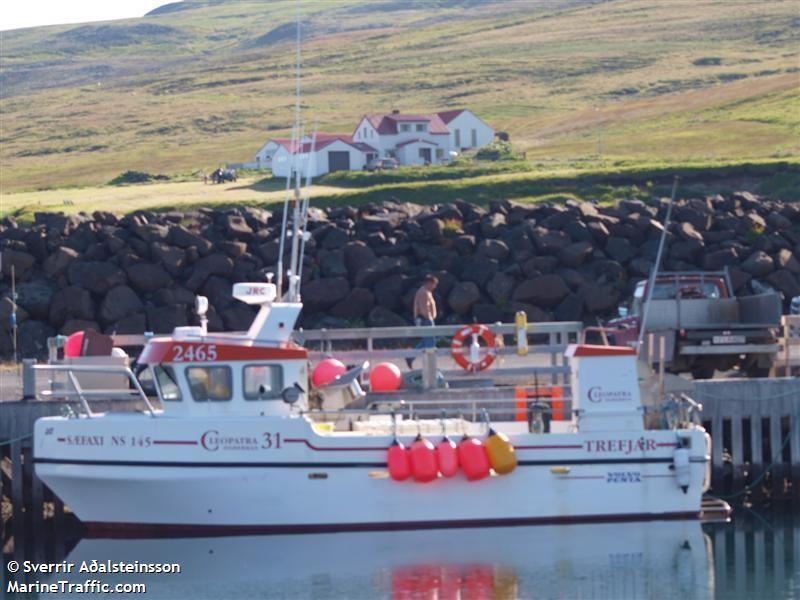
[
  {"x": 468, "y": 131},
  {"x": 282, "y": 160}
]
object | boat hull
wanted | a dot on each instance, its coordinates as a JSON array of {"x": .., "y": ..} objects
[{"x": 153, "y": 476}]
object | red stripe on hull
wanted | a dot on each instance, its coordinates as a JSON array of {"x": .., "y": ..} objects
[{"x": 156, "y": 530}]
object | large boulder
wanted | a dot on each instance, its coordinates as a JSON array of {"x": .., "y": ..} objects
[
  {"x": 147, "y": 277},
  {"x": 171, "y": 258},
  {"x": 70, "y": 303},
  {"x": 35, "y": 297},
  {"x": 463, "y": 295},
  {"x": 331, "y": 263},
  {"x": 500, "y": 287},
  {"x": 32, "y": 338},
  {"x": 57, "y": 263},
  {"x": 550, "y": 242},
  {"x": 545, "y": 291},
  {"x": 383, "y": 317},
  {"x": 620, "y": 249},
  {"x": 493, "y": 249},
  {"x": 236, "y": 227},
  {"x": 383, "y": 267},
  {"x": 785, "y": 259},
  {"x": 357, "y": 255},
  {"x": 575, "y": 254},
  {"x": 356, "y": 305},
  {"x": 120, "y": 302},
  {"x": 479, "y": 270},
  {"x": 784, "y": 281},
  {"x": 599, "y": 298},
  {"x": 97, "y": 277},
  {"x": 19, "y": 260},
  {"x": 322, "y": 294},
  {"x": 164, "y": 319},
  {"x": 758, "y": 264},
  {"x": 719, "y": 259}
]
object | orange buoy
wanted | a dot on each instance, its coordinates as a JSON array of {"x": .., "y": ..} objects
[
  {"x": 473, "y": 458},
  {"x": 397, "y": 460},
  {"x": 73, "y": 345},
  {"x": 422, "y": 456},
  {"x": 501, "y": 453},
  {"x": 385, "y": 377},
  {"x": 328, "y": 369},
  {"x": 447, "y": 455}
]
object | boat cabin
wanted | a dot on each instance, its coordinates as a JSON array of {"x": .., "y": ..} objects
[{"x": 260, "y": 372}]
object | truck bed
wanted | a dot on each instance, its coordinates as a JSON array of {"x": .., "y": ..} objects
[{"x": 762, "y": 311}]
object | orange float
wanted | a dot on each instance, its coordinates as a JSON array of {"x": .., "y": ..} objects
[
  {"x": 447, "y": 455},
  {"x": 397, "y": 460},
  {"x": 473, "y": 458},
  {"x": 328, "y": 370},
  {"x": 422, "y": 458}
]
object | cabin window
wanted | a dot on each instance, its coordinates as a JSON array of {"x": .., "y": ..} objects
[
  {"x": 263, "y": 382},
  {"x": 405, "y": 127},
  {"x": 210, "y": 383},
  {"x": 167, "y": 384},
  {"x": 420, "y": 127},
  {"x": 458, "y": 138},
  {"x": 474, "y": 138}
]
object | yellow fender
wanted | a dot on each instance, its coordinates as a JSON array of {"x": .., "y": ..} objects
[{"x": 501, "y": 453}]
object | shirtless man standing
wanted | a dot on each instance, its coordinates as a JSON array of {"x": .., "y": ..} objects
[{"x": 424, "y": 313}]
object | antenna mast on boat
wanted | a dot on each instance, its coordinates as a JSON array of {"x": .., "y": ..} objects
[{"x": 295, "y": 200}]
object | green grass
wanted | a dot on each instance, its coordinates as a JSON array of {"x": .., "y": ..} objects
[
  {"x": 463, "y": 169},
  {"x": 635, "y": 81},
  {"x": 604, "y": 183}
]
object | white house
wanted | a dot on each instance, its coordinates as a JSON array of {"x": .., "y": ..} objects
[
  {"x": 412, "y": 139},
  {"x": 424, "y": 138},
  {"x": 331, "y": 152}
]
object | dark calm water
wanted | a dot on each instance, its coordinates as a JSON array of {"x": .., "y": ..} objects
[{"x": 755, "y": 556}]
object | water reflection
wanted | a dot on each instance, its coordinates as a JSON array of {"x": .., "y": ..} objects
[{"x": 613, "y": 560}]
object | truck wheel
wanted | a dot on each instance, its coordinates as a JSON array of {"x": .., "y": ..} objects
[
  {"x": 702, "y": 372},
  {"x": 755, "y": 368}
]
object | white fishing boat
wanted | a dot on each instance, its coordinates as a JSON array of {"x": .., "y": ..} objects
[{"x": 237, "y": 448}]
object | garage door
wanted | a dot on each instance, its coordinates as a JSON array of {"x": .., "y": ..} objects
[{"x": 338, "y": 161}]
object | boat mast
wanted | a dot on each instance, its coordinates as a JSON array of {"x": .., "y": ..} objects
[{"x": 654, "y": 272}]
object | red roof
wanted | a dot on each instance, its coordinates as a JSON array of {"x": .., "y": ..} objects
[
  {"x": 416, "y": 141},
  {"x": 386, "y": 124},
  {"x": 592, "y": 350},
  {"x": 449, "y": 115},
  {"x": 323, "y": 140}
]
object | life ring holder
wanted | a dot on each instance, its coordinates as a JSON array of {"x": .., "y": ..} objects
[{"x": 462, "y": 358}]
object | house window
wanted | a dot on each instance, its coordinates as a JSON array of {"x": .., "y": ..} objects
[
  {"x": 458, "y": 138},
  {"x": 439, "y": 154},
  {"x": 168, "y": 388},
  {"x": 210, "y": 383},
  {"x": 474, "y": 138},
  {"x": 405, "y": 127},
  {"x": 420, "y": 126},
  {"x": 391, "y": 154},
  {"x": 263, "y": 382}
]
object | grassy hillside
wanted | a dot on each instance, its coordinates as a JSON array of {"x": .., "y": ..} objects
[{"x": 574, "y": 82}]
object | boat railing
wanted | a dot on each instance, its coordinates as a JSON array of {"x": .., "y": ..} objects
[{"x": 82, "y": 394}]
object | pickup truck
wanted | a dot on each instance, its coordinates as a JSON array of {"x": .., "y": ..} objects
[{"x": 705, "y": 327}]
